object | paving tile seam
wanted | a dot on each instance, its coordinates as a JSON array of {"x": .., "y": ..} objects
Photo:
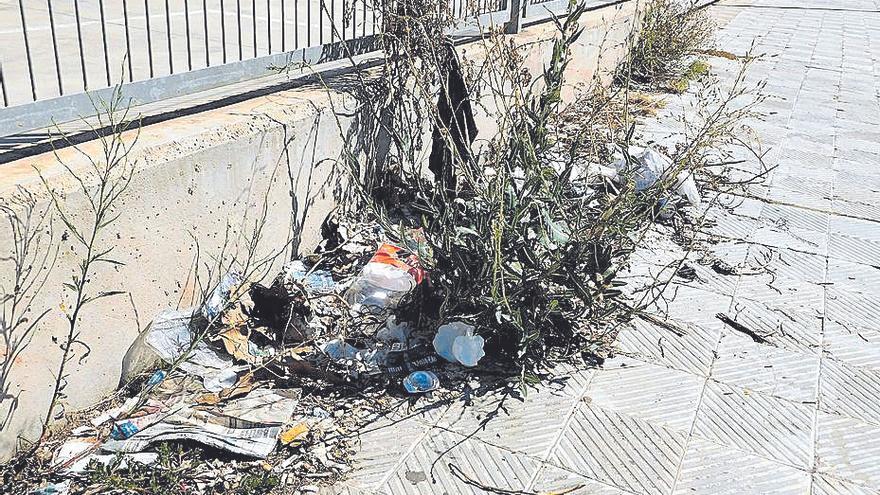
[
  {"x": 565, "y": 425},
  {"x": 690, "y": 434},
  {"x": 710, "y": 378},
  {"x": 412, "y": 448},
  {"x": 841, "y": 479},
  {"x": 607, "y": 430},
  {"x": 752, "y": 454},
  {"x": 815, "y": 427},
  {"x": 475, "y": 438},
  {"x": 758, "y": 392},
  {"x": 844, "y": 415},
  {"x": 787, "y": 248},
  {"x": 663, "y": 365},
  {"x": 823, "y": 312},
  {"x": 806, "y": 208},
  {"x": 573, "y": 473},
  {"x": 744, "y": 452},
  {"x": 461, "y": 439}
]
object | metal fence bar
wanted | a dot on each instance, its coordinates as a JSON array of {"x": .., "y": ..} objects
[
  {"x": 3, "y": 87},
  {"x": 104, "y": 41},
  {"x": 269, "y": 23},
  {"x": 309, "y": 23},
  {"x": 345, "y": 13},
  {"x": 254, "y": 19},
  {"x": 223, "y": 29},
  {"x": 283, "y": 28},
  {"x": 189, "y": 60},
  {"x": 349, "y": 18},
  {"x": 207, "y": 37},
  {"x": 333, "y": 20},
  {"x": 323, "y": 8},
  {"x": 149, "y": 38},
  {"x": 295, "y": 25},
  {"x": 238, "y": 15},
  {"x": 127, "y": 41},
  {"x": 168, "y": 29},
  {"x": 55, "y": 47},
  {"x": 27, "y": 50}
]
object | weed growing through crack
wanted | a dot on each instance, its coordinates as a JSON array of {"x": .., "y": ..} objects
[
  {"x": 697, "y": 69},
  {"x": 670, "y": 34},
  {"x": 168, "y": 476}
]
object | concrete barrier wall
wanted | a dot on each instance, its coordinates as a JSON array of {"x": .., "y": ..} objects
[{"x": 207, "y": 178}]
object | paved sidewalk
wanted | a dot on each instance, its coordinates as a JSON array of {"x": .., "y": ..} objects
[{"x": 715, "y": 412}]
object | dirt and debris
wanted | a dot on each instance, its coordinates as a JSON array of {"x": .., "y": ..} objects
[
  {"x": 266, "y": 386},
  {"x": 686, "y": 272},
  {"x": 739, "y": 327},
  {"x": 723, "y": 268}
]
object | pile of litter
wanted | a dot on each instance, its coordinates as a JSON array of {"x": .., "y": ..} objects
[
  {"x": 240, "y": 375},
  {"x": 222, "y": 375}
]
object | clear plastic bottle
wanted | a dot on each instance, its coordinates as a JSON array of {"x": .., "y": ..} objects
[
  {"x": 391, "y": 274},
  {"x": 380, "y": 286}
]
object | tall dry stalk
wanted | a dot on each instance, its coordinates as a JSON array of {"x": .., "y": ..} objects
[
  {"x": 102, "y": 185},
  {"x": 31, "y": 259}
]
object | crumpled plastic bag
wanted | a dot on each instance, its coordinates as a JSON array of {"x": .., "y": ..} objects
[
  {"x": 219, "y": 298},
  {"x": 649, "y": 166},
  {"x": 168, "y": 338},
  {"x": 317, "y": 281},
  {"x": 456, "y": 343}
]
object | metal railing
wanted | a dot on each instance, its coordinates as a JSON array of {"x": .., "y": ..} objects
[
  {"x": 61, "y": 47},
  {"x": 52, "y": 52}
]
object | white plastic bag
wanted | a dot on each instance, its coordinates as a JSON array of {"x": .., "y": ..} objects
[
  {"x": 648, "y": 166},
  {"x": 170, "y": 337},
  {"x": 456, "y": 343}
]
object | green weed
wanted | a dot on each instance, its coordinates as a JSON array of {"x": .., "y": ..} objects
[{"x": 670, "y": 33}]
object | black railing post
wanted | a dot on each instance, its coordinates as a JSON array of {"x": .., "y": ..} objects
[
  {"x": 3, "y": 87},
  {"x": 55, "y": 47},
  {"x": 27, "y": 50},
  {"x": 515, "y": 23}
]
